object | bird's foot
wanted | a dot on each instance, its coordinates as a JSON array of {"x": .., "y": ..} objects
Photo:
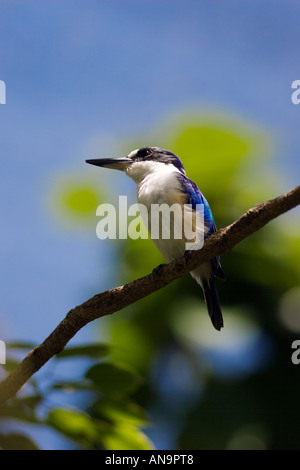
[
  {"x": 188, "y": 254},
  {"x": 157, "y": 269}
]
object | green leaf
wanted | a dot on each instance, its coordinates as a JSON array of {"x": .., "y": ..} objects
[
  {"x": 73, "y": 386},
  {"x": 126, "y": 437},
  {"x": 77, "y": 425},
  {"x": 120, "y": 410},
  {"x": 22, "y": 408},
  {"x": 10, "y": 365},
  {"x": 87, "y": 350},
  {"x": 16, "y": 441},
  {"x": 223, "y": 146},
  {"x": 112, "y": 379},
  {"x": 94, "y": 434},
  {"x": 74, "y": 200},
  {"x": 20, "y": 345}
]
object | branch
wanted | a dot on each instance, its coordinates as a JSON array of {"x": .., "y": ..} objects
[{"x": 113, "y": 300}]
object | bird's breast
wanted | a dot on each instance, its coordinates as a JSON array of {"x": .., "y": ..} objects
[
  {"x": 157, "y": 190},
  {"x": 160, "y": 188}
]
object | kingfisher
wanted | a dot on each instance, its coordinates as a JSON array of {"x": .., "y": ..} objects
[{"x": 161, "y": 179}]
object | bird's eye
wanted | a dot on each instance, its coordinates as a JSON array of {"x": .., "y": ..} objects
[{"x": 147, "y": 152}]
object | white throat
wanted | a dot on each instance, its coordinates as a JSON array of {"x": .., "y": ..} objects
[{"x": 138, "y": 171}]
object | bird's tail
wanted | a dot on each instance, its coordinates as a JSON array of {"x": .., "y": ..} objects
[{"x": 212, "y": 301}]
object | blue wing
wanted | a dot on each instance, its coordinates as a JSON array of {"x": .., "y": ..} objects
[{"x": 194, "y": 197}]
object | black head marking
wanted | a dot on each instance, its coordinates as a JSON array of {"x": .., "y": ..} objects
[{"x": 160, "y": 155}]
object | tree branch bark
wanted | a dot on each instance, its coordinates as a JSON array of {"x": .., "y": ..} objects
[{"x": 113, "y": 300}]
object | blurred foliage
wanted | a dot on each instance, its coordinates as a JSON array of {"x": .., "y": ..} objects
[
  {"x": 74, "y": 201},
  {"x": 111, "y": 419},
  {"x": 234, "y": 389}
]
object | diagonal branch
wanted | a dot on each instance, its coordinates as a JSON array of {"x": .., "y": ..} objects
[{"x": 113, "y": 300}]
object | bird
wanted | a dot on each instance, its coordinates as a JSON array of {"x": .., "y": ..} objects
[{"x": 160, "y": 178}]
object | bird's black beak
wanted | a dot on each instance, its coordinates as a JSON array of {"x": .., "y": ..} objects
[{"x": 114, "y": 163}]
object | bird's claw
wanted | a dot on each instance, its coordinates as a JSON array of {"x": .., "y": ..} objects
[
  {"x": 188, "y": 254},
  {"x": 157, "y": 269}
]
